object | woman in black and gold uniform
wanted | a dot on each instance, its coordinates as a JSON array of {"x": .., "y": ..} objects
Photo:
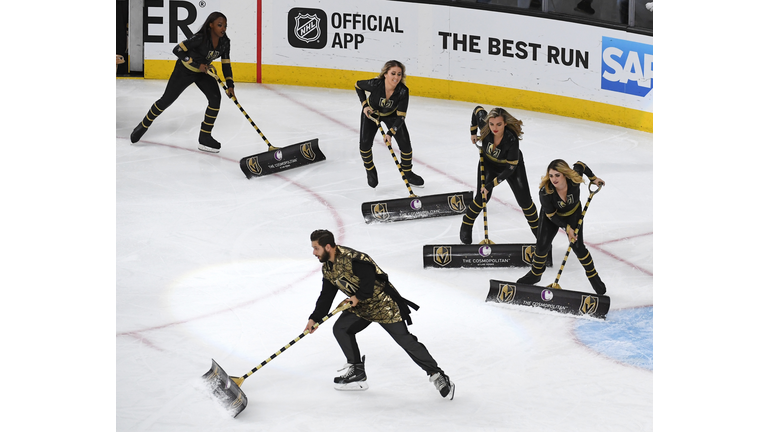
[
  {"x": 387, "y": 101},
  {"x": 561, "y": 208},
  {"x": 500, "y": 135},
  {"x": 195, "y": 57}
]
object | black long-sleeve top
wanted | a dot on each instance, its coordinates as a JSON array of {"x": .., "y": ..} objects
[
  {"x": 383, "y": 107},
  {"x": 503, "y": 158},
  {"x": 199, "y": 50},
  {"x": 564, "y": 213}
]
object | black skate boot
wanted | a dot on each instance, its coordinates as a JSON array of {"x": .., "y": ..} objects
[
  {"x": 443, "y": 385},
  {"x": 465, "y": 234},
  {"x": 137, "y": 133},
  {"x": 353, "y": 377},
  {"x": 529, "y": 278},
  {"x": 597, "y": 284},
  {"x": 373, "y": 176},
  {"x": 207, "y": 143},
  {"x": 413, "y": 178}
]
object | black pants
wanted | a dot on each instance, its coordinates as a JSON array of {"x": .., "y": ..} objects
[
  {"x": 349, "y": 324},
  {"x": 518, "y": 182},
  {"x": 368, "y": 130},
  {"x": 548, "y": 230},
  {"x": 181, "y": 78}
]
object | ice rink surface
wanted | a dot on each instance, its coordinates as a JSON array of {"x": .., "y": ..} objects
[{"x": 211, "y": 265}]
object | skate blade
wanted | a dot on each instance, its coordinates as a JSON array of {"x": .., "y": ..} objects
[
  {"x": 449, "y": 396},
  {"x": 453, "y": 390},
  {"x": 205, "y": 148},
  {"x": 353, "y": 386}
]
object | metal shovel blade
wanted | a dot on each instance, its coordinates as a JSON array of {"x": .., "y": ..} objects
[{"x": 225, "y": 390}]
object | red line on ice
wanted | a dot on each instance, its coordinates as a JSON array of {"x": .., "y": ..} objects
[{"x": 339, "y": 231}]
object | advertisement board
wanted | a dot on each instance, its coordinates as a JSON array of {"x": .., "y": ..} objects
[{"x": 450, "y": 52}]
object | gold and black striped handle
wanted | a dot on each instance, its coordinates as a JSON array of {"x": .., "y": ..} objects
[
  {"x": 485, "y": 200},
  {"x": 212, "y": 72},
  {"x": 575, "y": 232},
  {"x": 239, "y": 380},
  {"x": 394, "y": 157}
]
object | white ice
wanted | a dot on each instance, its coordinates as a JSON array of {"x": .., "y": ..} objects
[{"x": 211, "y": 265}]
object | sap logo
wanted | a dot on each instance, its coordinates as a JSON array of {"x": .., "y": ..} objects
[{"x": 627, "y": 67}]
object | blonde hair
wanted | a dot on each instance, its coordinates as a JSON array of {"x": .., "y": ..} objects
[
  {"x": 510, "y": 122},
  {"x": 563, "y": 168},
  {"x": 389, "y": 65}
]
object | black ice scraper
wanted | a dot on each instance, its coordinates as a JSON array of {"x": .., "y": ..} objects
[
  {"x": 553, "y": 297},
  {"x": 485, "y": 254},
  {"x": 276, "y": 159},
  {"x": 227, "y": 388},
  {"x": 413, "y": 207}
]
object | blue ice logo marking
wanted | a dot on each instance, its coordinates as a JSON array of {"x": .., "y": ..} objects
[{"x": 627, "y": 67}]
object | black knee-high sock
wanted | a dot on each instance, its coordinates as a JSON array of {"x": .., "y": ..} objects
[
  {"x": 473, "y": 211},
  {"x": 538, "y": 263},
  {"x": 210, "y": 117},
  {"x": 588, "y": 264},
  {"x": 532, "y": 216},
  {"x": 152, "y": 114},
  {"x": 406, "y": 161},
  {"x": 367, "y": 156}
]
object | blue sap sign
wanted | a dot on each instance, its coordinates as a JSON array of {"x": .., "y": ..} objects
[{"x": 627, "y": 67}]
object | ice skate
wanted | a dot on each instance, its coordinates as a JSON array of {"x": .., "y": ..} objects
[
  {"x": 373, "y": 177},
  {"x": 414, "y": 179},
  {"x": 353, "y": 377},
  {"x": 443, "y": 385},
  {"x": 137, "y": 133},
  {"x": 597, "y": 284},
  {"x": 529, "y": 278},
  {"x": 465, "y": 234},
  {"x": 207, "y": 143}
]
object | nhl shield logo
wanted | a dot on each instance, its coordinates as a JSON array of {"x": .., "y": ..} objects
[
  {"x": 379, "y": 211},
  {"x": 307, "y": 152},
  {"x": 253, "y": 165},
  {"x": 456, "y": 203},
  {"x": 589, "y": 304},
  {"x": 506, "y": 293},
  {"x": 307, "y": 27},
  {"x": 441, "y": 255}
]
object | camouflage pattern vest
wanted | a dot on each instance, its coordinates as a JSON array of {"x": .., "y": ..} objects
[{"x": 380, "y": 308}]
